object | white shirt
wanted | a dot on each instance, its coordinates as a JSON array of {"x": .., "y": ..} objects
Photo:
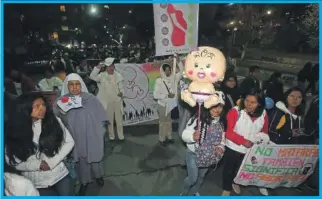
[
  {"x": 161, "y": 92},
  {"x": 109, "y": 86},
  {"x": 30, "y": 168},
  {"x": 16, "y": 185},
  {"x": 187, "y": 136},
  {"x": 49, "y": 84}
]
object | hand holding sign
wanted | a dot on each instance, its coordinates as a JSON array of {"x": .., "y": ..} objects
[
  {"x": 67, "y": 103},
  {"x": 248, "y": 144}
]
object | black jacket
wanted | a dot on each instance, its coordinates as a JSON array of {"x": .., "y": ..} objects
[
  {"x": 281, "y": 124},
  {"x": 311, "y": 119},
  {"x": 248, "y": 84},
  {"x": 274, "y": 89}
]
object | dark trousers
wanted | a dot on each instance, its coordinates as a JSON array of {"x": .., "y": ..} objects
[
  {"x": 233, "y": 160},
  {"x": 62, "y": 188}
]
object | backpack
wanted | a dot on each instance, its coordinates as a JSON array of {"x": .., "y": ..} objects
[{"x": 206, "y": 156}]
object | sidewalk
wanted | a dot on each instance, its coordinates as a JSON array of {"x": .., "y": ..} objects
[{"x": 141, "y": 167}]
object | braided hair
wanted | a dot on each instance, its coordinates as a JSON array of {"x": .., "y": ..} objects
[{"x": 205, "y": 121}]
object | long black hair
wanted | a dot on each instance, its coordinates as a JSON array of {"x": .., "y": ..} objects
[
  {"x": 260, "y": 100},
  {"x": 10, "y": 169},
  {"x": 19, "y": 133},
  {"x": 299, "y": 110},
  {"x": 205, "y": 119}
]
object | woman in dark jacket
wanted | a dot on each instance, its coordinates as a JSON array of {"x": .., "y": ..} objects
[
  {"x": 230, "y": 89},
  {"x": 285, "y": 121}
]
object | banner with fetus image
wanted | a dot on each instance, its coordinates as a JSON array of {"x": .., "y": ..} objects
[{"x": 139, "y": 106}]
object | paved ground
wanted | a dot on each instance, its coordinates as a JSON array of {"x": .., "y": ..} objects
[{"x": 140, "y": 167}]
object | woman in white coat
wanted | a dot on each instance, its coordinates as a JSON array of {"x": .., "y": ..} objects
[
  {"x": 37, "y": 143},
  {"x": 17, "y": 185},
  {"x": 110, "y": 94}
]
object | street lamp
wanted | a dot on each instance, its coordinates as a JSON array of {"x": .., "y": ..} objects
[
  {"x": 269, "y": 12},
  {"x": 93, "y": 10},
  {"x": 235, "y": 29},
  {"x": 232, "y": 23}
]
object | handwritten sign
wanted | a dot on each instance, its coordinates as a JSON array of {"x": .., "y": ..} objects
[
  {"x": 274, "y": 166},
  {"x": 67, "y": 103}
]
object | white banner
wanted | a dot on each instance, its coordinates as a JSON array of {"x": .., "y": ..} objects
[
  {"x": 277, "y": 165},
  {"x": 176, "y": 28},
  {"x": 139, "y": 105}
]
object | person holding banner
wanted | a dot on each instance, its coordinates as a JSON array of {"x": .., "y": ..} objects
[
  {"x": 110, "y": 94},
  {"x": 205, "y": 147},
  {"x": 244, "y": 123},
  {"x": 165, "y": 92}
]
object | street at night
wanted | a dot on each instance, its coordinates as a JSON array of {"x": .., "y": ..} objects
[{"x": 161, "y": 99}]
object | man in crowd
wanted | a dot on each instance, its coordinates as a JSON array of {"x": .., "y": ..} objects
[
  {"x": 50, "y": 82},
  {"x": 251, "y": 81},
  {"x": 110, "y": 94},
  {"x": 17, "y": 83}
]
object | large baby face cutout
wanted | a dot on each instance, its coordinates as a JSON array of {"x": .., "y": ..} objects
[{"x": 205, "y": 65}]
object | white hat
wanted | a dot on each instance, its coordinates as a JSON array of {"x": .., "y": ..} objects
[
  {"x": 221, "y": 97},
  {"x": 109, "y": 61}
]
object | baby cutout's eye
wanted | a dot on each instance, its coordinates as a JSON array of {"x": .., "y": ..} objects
[
  {"x": 208, "y": 66},
  {"x": 196, "y": 65}
]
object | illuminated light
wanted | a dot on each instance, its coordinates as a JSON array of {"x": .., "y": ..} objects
[
  {"x": 62, "y": 8},
  {"x": 106, "y": 6},
  {"x": 269, "y": 12},
  {"x": 93, "y": 10},
  {"x": 232, "y": 23},
  {"x": 235, "y": 29}
]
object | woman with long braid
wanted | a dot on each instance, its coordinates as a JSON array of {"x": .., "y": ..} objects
[{"x": 204, "y": 136}]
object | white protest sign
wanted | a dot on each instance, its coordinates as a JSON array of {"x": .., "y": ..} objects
[
  {"x": 176, "y": 28},
  {"x": 274, "y": 166}
]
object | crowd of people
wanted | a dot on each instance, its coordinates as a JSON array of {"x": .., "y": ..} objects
[{"x": 49, "y": 145}]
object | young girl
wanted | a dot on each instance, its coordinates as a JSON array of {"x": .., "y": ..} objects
[
  {"x": 244, "y": 122},
  {"x": 37, "y": 143},
  {"x": 199, "y": 144}
]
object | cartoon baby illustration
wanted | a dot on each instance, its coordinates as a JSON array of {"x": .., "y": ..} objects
[{"x": 204, "y": 66}]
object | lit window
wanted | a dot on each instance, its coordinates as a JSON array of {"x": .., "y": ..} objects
[
  {"x": 62, "y": 9},
  {"x": 64, "y": 28}
]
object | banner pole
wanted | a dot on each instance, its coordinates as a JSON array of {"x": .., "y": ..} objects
[{"x": 174, "y": 73}]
